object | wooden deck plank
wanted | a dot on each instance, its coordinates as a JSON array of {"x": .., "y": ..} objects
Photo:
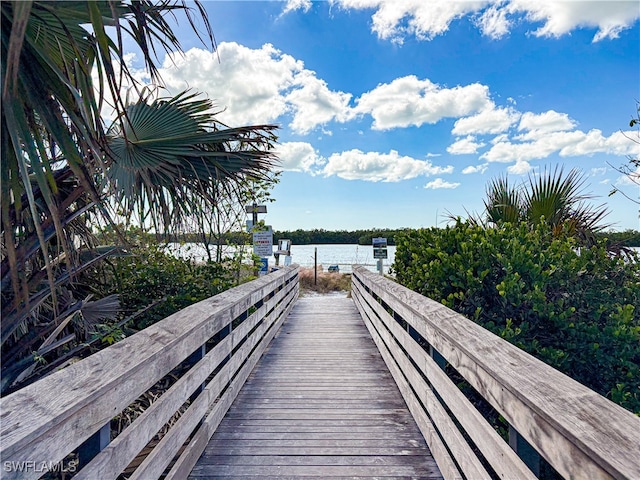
[{"x": 321, "y": 403}]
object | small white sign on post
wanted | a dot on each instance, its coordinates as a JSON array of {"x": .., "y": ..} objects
[
  {"x": 379, "y": 247},
  {"x": 263, "y": 243},
  {"x": 379, "y": 251}
]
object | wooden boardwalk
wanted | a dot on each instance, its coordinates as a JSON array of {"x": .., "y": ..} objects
[{"x": 320, "y": 403}]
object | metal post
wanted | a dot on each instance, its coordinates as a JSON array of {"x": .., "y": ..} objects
[
  {"x": 254, "y": 218},
  {"x": 255, "y": 214},
  {"x": 380, "y": 267},
  {"x": 315, "y": 266}
]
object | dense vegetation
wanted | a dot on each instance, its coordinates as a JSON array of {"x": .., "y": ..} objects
[
  {"x": 320, "y": 236},
  {"x": 577, "y": 309},
  {"x": 137, "y": 287},
  {"x": 163, "y": 162},
  {"x": 627, "y": 238},
  {"x": 304, "y": 237}
]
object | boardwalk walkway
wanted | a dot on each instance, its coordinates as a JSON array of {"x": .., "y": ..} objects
[{"x": 320, "y": 403}]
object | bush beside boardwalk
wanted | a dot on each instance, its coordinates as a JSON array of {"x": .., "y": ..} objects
[{"x": 577, "y": 309}]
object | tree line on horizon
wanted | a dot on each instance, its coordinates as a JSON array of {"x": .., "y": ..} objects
[{"x": 627, "y": 238}]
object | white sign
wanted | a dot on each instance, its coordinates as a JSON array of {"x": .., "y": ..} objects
[{"x": 263, "y": 243}]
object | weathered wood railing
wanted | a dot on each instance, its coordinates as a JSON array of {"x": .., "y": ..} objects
[
  {"x": 579, "y": 432},
  {"x": 221, "y": 337}
]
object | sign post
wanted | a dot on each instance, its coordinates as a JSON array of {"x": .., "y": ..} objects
[
  {"x": 379, "y": 251},
  {"x": 261, "y": 238}
]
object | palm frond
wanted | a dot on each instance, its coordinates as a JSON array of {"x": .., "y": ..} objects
[
  {"x": 168, "y": 152},
  {"x": 559, "y": 200},
  {"x": 503, "y": 202}
]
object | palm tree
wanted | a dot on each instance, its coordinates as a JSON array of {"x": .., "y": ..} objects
[
  {"x": 552, "y": 198},
  {"x": 503, "y": 202},
  {"x": 63, "y": 170}
]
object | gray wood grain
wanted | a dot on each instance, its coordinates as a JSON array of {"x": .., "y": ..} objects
[
  {"x": 486, "y": 439},
  {"x": 320, "y": 403},
  {"x": 47, "y": 420},
  {"x": 186, "y": 461},
  {"x": 581, "y": 433}
]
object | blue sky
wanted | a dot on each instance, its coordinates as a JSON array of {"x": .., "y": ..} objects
[{"x": 397, "y": 113}]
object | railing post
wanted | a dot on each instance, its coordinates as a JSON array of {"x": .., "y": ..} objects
[
  {"x": 525, "y": 451},
  {"x": 94, "y": 445}
]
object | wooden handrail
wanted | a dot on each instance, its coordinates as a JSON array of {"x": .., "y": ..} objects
[
  {"x": 579, "y": 432},
  {"x": 49, "y": 419}
]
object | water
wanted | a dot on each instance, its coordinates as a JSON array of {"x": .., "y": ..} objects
[{"x": 342, "y": 255}]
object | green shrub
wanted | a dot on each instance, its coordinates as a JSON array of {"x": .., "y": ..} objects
[
  {"x": 577, "y": 309},
  {"x": 151, "y": 275}
]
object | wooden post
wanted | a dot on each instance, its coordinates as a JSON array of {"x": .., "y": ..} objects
[{"x": 315, "y": 266}]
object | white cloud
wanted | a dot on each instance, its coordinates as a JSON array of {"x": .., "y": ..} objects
[
  {"x": 440, "y": 183},
  {"x": 493, "y": 22},
  {"x": 565, "y": 143},
  {"x": 249, "y": 84},
  {"x": 519, "y": 168},
  {"x": 593, "y": 141},
  {"x": 293, "y": 5},
  {"x": 256, "y": 86},
  {"x": 599, "y": 171},
  {"x": 465, "y": 145},
  {"x": 299, "y": 157},
  {"x": 500, "y": 138},
  {"x": 408, "y": 101},
  {"x": 489, "y": 120},
  {"x": 394, "y": 20},
  {"x": 314, "y": 104},
  {"x": 379, "y": 167},
  {"x": 560, "y": 18},
  {"x": 475, "y": 169},
  {"x": 265, "y": 85},
  {"x": 543, "y": 123},
  {"x": 632, "y": 179}
]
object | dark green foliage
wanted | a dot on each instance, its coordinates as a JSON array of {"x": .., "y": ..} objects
[
  {"x": 321, "y": 236},
  {"x": 150, "y": 275},
  {"x": 577, "y": 309},
  {"x": 628, "y": 238}
]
